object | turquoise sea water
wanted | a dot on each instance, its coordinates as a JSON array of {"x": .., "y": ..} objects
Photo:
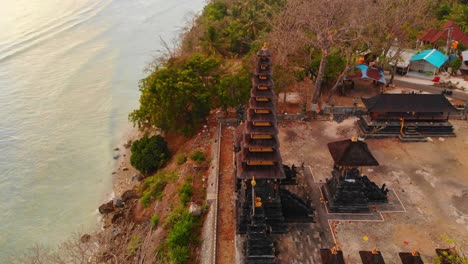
[{"x": 69, "y": 71}]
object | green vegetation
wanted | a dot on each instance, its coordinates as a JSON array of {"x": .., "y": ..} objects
[
  {"x": 181, "y": 158},
  {"x": 455, "y": 64},
  {"x": 456, "y": 11},
  {"x": 149, "y": 154},
  {"x": 180, "y": 90},
  {"x": 185, "y": 192},
  {"x": 153, "y": 187},
  {"x": 456, "y": 254},
  {"x": 197, "y": 156},
  {"x": 154, "y": 220},
  {"x": 184, "y": 229}
]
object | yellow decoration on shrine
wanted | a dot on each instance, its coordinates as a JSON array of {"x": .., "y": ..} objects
[
  {"x": 253, "y": 182},
  {"x": 365, "y": 238},
  {"x": 258, "y": 202}
]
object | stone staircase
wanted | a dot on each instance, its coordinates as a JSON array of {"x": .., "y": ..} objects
[
  {"x": 411, "y": 135},
  {"x": 260, "y": 248}
]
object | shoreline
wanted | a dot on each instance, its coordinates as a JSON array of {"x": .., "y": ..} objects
[{"x": 124, "y": 175}]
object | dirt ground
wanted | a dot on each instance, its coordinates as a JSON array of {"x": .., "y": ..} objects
[
  {"x": 226, "y": 204},
  {"x": 429, "y": 178}
]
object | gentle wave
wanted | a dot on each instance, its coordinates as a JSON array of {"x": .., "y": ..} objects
[{"x": 48, "y": 31}]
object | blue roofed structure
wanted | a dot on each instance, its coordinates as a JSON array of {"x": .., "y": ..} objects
[
  {"x": 433, "y": 56},
  {"x": 364, "y": 71},
  {"x": 426, "y": 63}
]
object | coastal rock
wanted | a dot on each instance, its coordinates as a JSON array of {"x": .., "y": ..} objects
[
  {"x": 107, "y": 207},
  {"x": 128, "y": 195},
  {"x": 117, "y": 217},
  {"x": 128, "y": 144},
  {"x": 195, "y": 209},
  {"x": 85, "y": 238},
  {"x": 125, "y": 169}
]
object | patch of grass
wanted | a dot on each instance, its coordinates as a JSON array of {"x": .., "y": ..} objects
[
  {"x": 183, "y": 231},
  {"x": 153, "y": 187},
  {"x": 197, "y": 156},
  {"x": 180, "y": 237},
  {"x": 154, "y": 221},
  {"x": 185, "y": 192},
  {"x": 174, "y": 216},
  {"x": 181, "y": 158},
  {"x": 134, "y": 245}
]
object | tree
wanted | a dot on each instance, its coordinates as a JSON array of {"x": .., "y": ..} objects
[
  {"x": 321, "y": 25},
  {"x": 149, "y": 154},
  {"x": 177, "y": 96},
  {"x": 396, "y": 28}
]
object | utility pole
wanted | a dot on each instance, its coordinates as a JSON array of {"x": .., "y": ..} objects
[{"x": 449, "y": 37}]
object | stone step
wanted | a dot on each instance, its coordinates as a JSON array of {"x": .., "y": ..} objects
[{"x": 406, "y": 138}]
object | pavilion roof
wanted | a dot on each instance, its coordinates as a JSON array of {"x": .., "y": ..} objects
[
  {"x": 423, "y": 103},
  {"x": 351, "y": 153}
]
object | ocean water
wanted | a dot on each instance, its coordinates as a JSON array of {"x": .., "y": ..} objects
[{"x": 69, "y": 72}]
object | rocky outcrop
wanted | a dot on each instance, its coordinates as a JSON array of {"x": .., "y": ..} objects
[
  {"x": 129, "y": 195},
  {"x": 107, "y": 208}
]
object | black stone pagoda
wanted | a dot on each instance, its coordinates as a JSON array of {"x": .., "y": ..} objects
[{"x": 347, "y": 191}]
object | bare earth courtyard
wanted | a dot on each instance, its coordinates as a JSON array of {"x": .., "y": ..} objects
[{"x": 428, "y": 183}]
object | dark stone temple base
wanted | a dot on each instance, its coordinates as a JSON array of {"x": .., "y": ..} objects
[
  {"x": 294, "y": 209},
  {"x": 382, "y": 129},
  {"x": 329, "y": 258},
  {"x": 408, "y": 258},
  {"x": 353, "y": 194},
  {"x": 367, "y": 257},
  {"x": 353, "y": 206}
]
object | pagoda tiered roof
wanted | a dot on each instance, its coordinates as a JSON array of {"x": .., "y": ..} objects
[
  {"x": 352, "y": 153},
  {"x": 420, "y": 103},
  {"x": 259, "y": 154}
]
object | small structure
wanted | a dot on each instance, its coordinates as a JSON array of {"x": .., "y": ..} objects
[
  {"x": 411, "y": 117},
  {"x": 364, "y": 71},
  {"x": 449, "y": 30},
  {"x": 464, "y": 66},
  {"x": 332, "y": 256},
  {"x": 410, "y": 257},
  {"x": 371, "y": 257},
  {"x": 400, "y": 58},
  {"x": 348, "y": 191},
  {"x": 427, "y": 63}
]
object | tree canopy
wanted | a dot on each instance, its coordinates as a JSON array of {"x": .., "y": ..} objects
[{"x": 149, "y": 154}]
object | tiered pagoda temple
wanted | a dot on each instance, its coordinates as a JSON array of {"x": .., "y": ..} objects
[
  {"x": 259, "y": 168},
  {"x": 347, "y": 191},
  {"x": 411, "y": 117}
]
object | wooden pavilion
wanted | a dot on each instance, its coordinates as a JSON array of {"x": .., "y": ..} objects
[{"x": 411, "y": 117}]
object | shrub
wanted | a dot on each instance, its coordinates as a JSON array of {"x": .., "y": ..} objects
[
  {"x": 149, "y": 154},
  {"x": 181, "y": 159},
  {"x": 197, "y": 156},
  {"x": 455, "y": 64},
  {"x": 185, "y": 192},
  {"x": 179, "y": 238},
  {"x": 133, "y": 245},
  {"x": 154, "y": 220},
  {"x": 174, "y": 216},
  {"x": 153, "y": 187}
]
